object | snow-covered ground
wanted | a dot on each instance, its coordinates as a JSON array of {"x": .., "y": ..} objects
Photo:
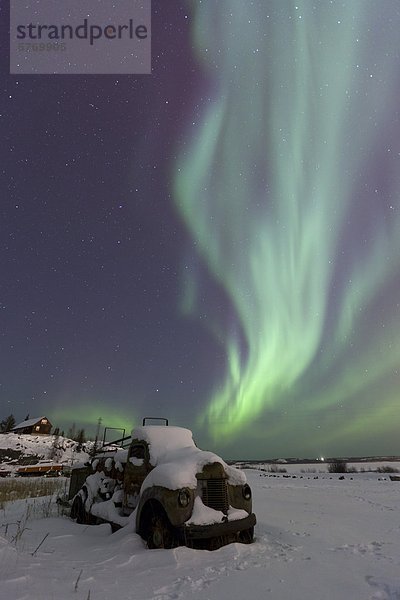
[
  {"x": 325, "y": 538},
  {"x": 51, "y": 448}
]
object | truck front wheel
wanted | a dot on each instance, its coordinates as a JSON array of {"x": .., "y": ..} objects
[{"x": 160, "y": 533}]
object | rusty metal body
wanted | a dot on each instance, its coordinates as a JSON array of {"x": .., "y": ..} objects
[{"x": 165, "y": 514}]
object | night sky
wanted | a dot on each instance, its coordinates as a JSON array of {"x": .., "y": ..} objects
[{"x": 217, "y": 242}]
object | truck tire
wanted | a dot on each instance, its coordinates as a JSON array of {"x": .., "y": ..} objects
[
  {"x": 78, "y": 510},
  {"x": 159, "y": 532}
]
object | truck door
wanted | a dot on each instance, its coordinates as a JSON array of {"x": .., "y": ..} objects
[{"x": 136, "y": 470}]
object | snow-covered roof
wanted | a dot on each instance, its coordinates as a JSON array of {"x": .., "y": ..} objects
[
  {"x": 28, "y": 423},
  {"x": 162, "y": 439}
]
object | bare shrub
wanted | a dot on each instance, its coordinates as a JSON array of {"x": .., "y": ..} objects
[
  {"x": 352, "y": 469},
  {"x": 337, "y": 465},
  {"x": 387, "y": 469},
  {"x": 276, "y": 469}
]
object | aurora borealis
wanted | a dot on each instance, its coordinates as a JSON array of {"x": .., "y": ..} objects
[
  {"x": 219, "y": 242},
  {"x": 269, "y": 192}
]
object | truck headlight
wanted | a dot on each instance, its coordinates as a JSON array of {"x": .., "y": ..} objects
[
  {"x": 246, "y": 491},
  {"x": 183, "y": 498}
]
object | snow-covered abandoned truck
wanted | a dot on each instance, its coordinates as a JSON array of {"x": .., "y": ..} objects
[{"x": 175, "y": 493}]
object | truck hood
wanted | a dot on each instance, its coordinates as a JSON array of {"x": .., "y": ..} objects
[{"x": 177, "y": 469}]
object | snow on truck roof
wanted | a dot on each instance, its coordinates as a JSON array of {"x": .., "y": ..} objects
[
  {"x": 162, "y": 439},
  {"x": 176, "y": 458}
]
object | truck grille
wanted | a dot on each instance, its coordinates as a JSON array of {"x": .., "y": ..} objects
[{"x": 215, "y": 494}]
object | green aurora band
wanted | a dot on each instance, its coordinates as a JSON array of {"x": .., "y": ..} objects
[
  {"x": 270, "y": 188},
  {"x": 87, "y": 414}
]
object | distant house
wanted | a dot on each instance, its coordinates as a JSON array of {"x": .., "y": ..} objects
[{"x": 38, "y": 426}]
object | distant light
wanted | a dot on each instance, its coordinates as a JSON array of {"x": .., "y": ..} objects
[{"x": 322, "y": 459}]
